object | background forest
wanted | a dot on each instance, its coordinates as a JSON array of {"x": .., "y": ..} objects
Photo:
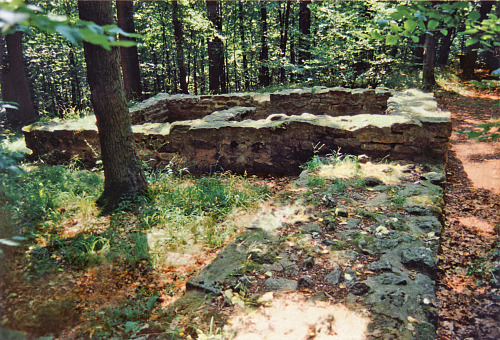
[{"x": 201, "y": 47}]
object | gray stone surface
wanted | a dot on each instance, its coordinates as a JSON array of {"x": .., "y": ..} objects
[
  {"x": 333, "y": 277},
  {"x": 280, "y": 283},
  {"x": 419, "y": 258}
]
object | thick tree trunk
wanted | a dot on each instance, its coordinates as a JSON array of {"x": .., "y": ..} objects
[
  {"x": 122, "y": 168},
  {"x": 243, "y": 48},
  {"x": 264, "y": 52},
  {"x": 471, "y": 56},
  {"x": 305, "y": 31},
  {"x": 216, "y": 74},
  {"x": 428, "y": 80},
  {"x": 129, "y": 56},
  {"x": 444, "y": 49},
  {"x": 15, "y": 86},
  {"x": 419, "y": 51},
  {"x": 179, "y": 46}
]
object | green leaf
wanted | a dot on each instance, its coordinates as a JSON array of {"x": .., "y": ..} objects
[
  {"x": 391, "y": 39},
  {"x": 394, "y": 28},
  {"x": 8, "y": 242},
  {"x": 460, "y": 4},
  {"x": 444, "y": 32},
  {"x": 432, "y": 25},
  {"x": 474, "y": 15},
  {"x": 397, "y": 15},
  {"x": 470, "y": 30},
  {"x": 123, "y": 43},
  {"x": 376, "y": 35},
  {"x": 471, "y": 41},
  {"x": 410, "y": 25},
  {"x": 73, "y": 35},
  {"x": 415, "y": 39}
]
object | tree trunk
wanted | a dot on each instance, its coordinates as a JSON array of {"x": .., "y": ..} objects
[
  {"x": 15, "y": 86},
  {"x": 419, "y": 51},
  {"x": 75, "y": 81},
  {"x": 216, "y": 74},
  {"x": 123, "y": 175},
  {"x": 428, "y": 80},
  {"x": 129, "y": 56},
  {"x": 264, "y": 52},
  {"x": 179, "y": 46},
  {"x": 444, "y": 49},
  {"x": 284, "y": 38},
  {"x": 471, "y": 56},
  {"x": 305, "y": 31},
  {"x": 243, "y": 48}
]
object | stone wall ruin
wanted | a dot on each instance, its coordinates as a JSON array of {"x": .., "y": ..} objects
[{"x": 262, "y": 133}]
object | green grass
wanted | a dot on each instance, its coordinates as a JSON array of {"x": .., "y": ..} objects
[{"x": 42, "y": 202}]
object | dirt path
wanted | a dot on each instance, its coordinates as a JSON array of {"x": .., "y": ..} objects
[{"x": 468, "y": 293}]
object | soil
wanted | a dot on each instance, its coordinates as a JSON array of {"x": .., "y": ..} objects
[{"x": 468, "y": 293}]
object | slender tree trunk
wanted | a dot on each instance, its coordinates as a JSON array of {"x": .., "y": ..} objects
[
  {"x": 428, "y": 80},
  {"x": 178, "y": 36},
  {"x": 264, "y": 52},
  {"x": 216, "y": 74},
  {"x": 305, "y": 31},
  {"x": 123, "y": 174},
  {"x": 75, "y": 81},
  {"x": 243, "y": 47},
  {"x": 203, "y": 86},
  {"x": 129, "y": 55},
  {"x": 284, "y": 38},
  {"x": 15, "y": 87}
]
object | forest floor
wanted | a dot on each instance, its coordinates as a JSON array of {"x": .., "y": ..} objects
[
  {"x": 469, "y": 302},
  {"x": 139, "y": 300}
]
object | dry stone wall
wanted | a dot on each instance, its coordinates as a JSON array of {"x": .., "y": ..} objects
[
  {"x": 336, "y": 101},
  {"x": 254, "y": 133}
]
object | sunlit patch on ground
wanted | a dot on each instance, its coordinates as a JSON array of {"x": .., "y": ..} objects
[
  {"x": 390, "y": 174},
  {"x": 487, "y": 176},
  {"x": 483, "y": 227},
  {"x": 290, "y": 316}
]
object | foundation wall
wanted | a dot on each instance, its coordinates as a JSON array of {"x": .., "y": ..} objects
[{"x": 410, "y": 127}]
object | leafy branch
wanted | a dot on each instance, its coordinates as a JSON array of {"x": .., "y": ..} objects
[{"x": 15, "y": 15}]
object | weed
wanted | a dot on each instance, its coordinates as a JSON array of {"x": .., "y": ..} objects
[
  {"x": 316, "y": 181},
  {"x": 340, "y": 245},
  {"x": 477, "y": 268},
  {"x": 398, "y": 200},
  {"x": 122, "y": 321},
  {"x": 366, "y": 214}
]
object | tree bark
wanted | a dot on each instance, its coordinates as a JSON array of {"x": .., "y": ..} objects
[
  {"x": 75, "y": 81},
  {"x": 284, "y": 39},
  {"x": 419, "y": 51},
  {"x": 123, "y": 175},
  {"x": 243, "y": 47},
  {"x": 471, "y": 56},
  {"x": 216, "y": 74},
  {"x": 178, "y": 36},
  {"x": 305, "y": 31},
  {"x": 444, "y": 49},
  {"x": 428, "y": 79},
  {"x": 15, "y": 87},
  {"x": 129, "y": 55},
  {"x": 264, "y": 52}
]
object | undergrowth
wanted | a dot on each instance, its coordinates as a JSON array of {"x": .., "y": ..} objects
[{"x": 48, "y": 216}]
